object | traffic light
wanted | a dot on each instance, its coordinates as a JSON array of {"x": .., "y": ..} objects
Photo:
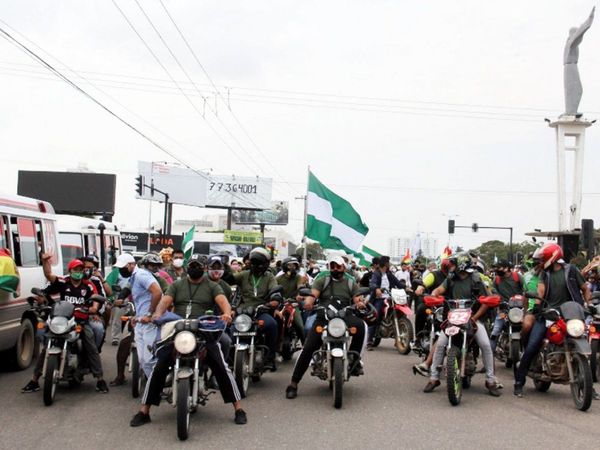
[
  {"x": 475, "y": 227},
  {"x": 451, "y": 226},
  {"x": 586, "y": 241},
  {"x": 139, "y": 182}
]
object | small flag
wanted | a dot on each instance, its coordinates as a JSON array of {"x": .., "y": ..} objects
[
  {"x": 406, "y": 257},
  {"x": 188, "y": 244},
  {"x": 446, "y": 253},
  {"x": 9, "y": 277}
]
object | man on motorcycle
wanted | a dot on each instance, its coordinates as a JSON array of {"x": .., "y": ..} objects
[
  {"x": 559, "y": 283},
  {"x": 463, "y": 282},
  {"x": 192, "y": 297},
  {"x": 216, "y": 270},
  {"x": 73, "y": 289},
  {"x": 381, "y": 280},
  {"x": 291, "y": 281},
  {"x": 507, "y": 284},
  {"x": 326, "y": 289},
  {"x": 176, "y": 270},
  {"x": 92, "y": 274},
  {"x": 255, "y": 284}
]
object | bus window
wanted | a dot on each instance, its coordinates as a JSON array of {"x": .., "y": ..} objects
[
  {"x": 50, "y": 241},
  {"x": 71, "y": 247},
  {"x": 4, "y": 232},
  {"x": 109, "y": 250},
  {"x": 27, "y": 248},
  {"x": 91, "y": 245}
]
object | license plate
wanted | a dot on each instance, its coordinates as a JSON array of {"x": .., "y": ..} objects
[
  {"x": 247, "y": 333},
  {"x": 459, "y": 317},
  {"x": 451, "y": 331}
]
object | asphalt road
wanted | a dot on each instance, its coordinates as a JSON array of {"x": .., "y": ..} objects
[{"x": 383, "y": 409}]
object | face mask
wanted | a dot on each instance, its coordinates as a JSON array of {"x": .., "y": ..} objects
[
  {"x": 87, "y": 273},
  {"x": 216, "y": 274},
  {"x": 257, "y": 269},
  {"x": 195, "y": 273},
  {"x": 153, "y": 269},
  {"x": 178, "y": 263},
  {"x": 124, "y": 272},
  {"x": 77, "y": 276},
  {"x": 337, "y": 275},
  {"x": 293, "y": 273},
  {"x": 500, "y": 272}
]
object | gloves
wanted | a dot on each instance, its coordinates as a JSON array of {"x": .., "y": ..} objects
[{"x": 537, "y": 308}]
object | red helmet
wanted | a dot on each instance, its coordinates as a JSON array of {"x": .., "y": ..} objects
[
  {"x": 550, "y": 253},
  {"x": 445, "y": 265},
  {"x": 75, "y": 263}
]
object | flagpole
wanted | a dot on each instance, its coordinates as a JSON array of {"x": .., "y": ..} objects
[{"x": 305, "y": 254}]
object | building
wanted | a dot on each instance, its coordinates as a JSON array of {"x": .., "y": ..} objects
[{"x": 417, "y": 244}]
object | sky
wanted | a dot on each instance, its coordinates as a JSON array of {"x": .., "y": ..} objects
[{"x": 413, "y": 111}]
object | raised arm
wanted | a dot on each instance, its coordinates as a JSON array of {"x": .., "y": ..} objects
[{"x": 577, "y": 36}]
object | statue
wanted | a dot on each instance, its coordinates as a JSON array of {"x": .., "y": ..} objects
[{"x": 573, "y": 88}]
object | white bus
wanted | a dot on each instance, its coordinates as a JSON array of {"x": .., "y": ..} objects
[{"x": 27, "y": 228}]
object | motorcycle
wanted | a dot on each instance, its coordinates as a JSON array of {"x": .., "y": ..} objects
[
  {"x": 289, "y": 339},
  {"x": 250, "y": 350},
  {"x": 190, "y": 374},
  {"x": 425, "y": 338},
  {"x": 461, "y": 359},
  {"x": 594, "y": 336},
  {"x": 65, "y": 358},
  {"x": 563, "y": 357},
  {"x": 395, "y": 321},
  {"x": 509, "y": 347},
  {"x": 334, "y": 362}
]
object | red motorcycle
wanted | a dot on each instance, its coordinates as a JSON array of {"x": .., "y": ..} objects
[
  {"x": 289, "y": 336},
  {"x": 594, "y": 336},
  {"x": 395, "y": 321}
]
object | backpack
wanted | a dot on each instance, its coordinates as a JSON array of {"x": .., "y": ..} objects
[
  {"x": 476, "y": 283},
  {"x": 328, "y": 282},
  {"x": 515, "y": 277}
]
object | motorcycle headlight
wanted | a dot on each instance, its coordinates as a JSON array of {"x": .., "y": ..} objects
[
  {"x": 439, "y": 315},
  {"x": 243, "y": 323},
  {"x": 59, "y": 325},
  {"x": 185, "y": 342},
  {"x": 575, "y": 328},
  {"x": 336, "y": 327},
  {"x": 515, "y": 315}
]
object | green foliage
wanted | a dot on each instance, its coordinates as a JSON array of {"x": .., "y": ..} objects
[{"x": 501, "y": 250}]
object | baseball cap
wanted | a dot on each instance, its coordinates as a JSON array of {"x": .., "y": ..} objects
[
  {"x": 75, "y": 263},
  {"x": 197, "y": 258},
  {"x": 214, "y": 259},
  {"x": 123, "y": 259},
  {"x": 504, "y": 263},
  {"x": 336, "y": 259}
]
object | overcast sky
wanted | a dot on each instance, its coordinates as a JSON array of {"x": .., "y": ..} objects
[{"x": 410, "y": 110}]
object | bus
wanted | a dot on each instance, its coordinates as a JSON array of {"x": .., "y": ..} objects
[{"x": 27, "y": 229}]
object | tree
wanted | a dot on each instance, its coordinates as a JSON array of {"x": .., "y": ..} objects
[{"x": 501, "y": 250}]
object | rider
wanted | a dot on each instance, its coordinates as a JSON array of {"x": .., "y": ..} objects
[
  {"x": 255, "y": 284},
  {"x": 176, "y": 270},
  {"x": 92, "y": 274},
  {"x": 559, "y": 283},
  {"x": 507, "y": 283},
  {"x": 216, "y": 270},
  {"x": 335, "y": 286},
  {"x": 464, "y": 282},
  {"x": 73, "y": 289},
  {"x": 381, "y": 280},
  {"x": 291, "y": 280},
  {"x": 192, "y": 297}
]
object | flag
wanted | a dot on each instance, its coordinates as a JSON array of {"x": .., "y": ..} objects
[
  {"x": 9, "y": 277},
  {"x": 446, "y": 253},
  {"x": 331, "y": 220},
  {"x": 366, "y": 256},
  {"x": 188, "y": 244},
  {"x": 406, "y": 257}
]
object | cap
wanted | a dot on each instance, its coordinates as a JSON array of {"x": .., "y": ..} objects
[
  {"x": 335, "y": 259},
  {"x": 197, "y": 258},
  {"x": 504, "y": 263},
  {"x": 75, "y": 263},
  {"x": 123, "y": 259},
  {"x": 214, "y": 259}
]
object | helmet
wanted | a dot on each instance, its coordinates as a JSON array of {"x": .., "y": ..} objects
[
  {"x": 287, "y": 261},
  {"x": 369, "y": 314},
  {"x": 550, "y": 253},
  {"x": 91, "y": 258},
  {"x": 462, "y": 261},
  {"x": 445, "y": 265},
  {"x": 75, "y": 263},
  {"x": 151, "y": 258},
  {"x": 260, "y": 254},
  {"x": 480, "y": 266}
]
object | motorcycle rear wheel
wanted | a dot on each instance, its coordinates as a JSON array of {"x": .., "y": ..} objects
[
  {"x": 183, "y": 408},
  {"x": 286, "y": 348},
  {"x": 453, "y": 378},
  {"x": 515, "y": 353},
  {"x": 595, "y": 360},
  {"x": 376, "y": 341},
  {"x": 406, "y": 336},
  {"x": 50, "y": 379},
  {"x": 581, "y": 389},
  {"x": 135, "y": 373},
  {"x": 338, "y": 382},
  {"x": 240, "y": 370}
]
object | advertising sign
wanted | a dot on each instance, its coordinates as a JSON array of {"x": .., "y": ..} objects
[
  {"x": 239, "y": 192},
  {"x": 278, "y": 214},
  {"x": 184, "y": 186},
  {"x": 242, "y": 237},
  {"x": 134, "y": 242},
  {"x": 158, "y": 242}
]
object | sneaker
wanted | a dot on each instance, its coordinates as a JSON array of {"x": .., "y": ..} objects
[
  {"x": 140, "y": 419},
  {"x": 119, "y": 381},
  {"x": 518, "y": 390},
  {"x": 492, "y": 388},
  {"x": 370, "y": 347},
  {"x": 595, "y": 395},
  {"x": 421, "y": 369},
  {"x": 115, "y": 342},
  {"x": 291, "y": 392},
  {"x": 32, "y": 386},
  {"x": 101, "y": 386},
  {"x": 431, "y": 386},
  {"x": 240, "y": 417}
]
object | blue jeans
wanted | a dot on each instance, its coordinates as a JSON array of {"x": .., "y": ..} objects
[
  {"x": 496, "y": 330},
  {"x": 536, "y": 338},
  {"x": 378, "y": 304},
  {"x": 98, "y": 327},
  {"x": 145, "y": 335},
  {"x": 309, "y": 321}
]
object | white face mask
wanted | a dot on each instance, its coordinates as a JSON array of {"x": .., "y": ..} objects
[
  {"x": 177, "y": 263},
  {"x": 215, "y": 273}
]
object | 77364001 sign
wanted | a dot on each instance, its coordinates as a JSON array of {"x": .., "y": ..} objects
[{"x": 232, "y": 187}]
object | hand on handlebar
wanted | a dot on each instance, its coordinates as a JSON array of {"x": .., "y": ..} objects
[{"x": 226, "y": 318}]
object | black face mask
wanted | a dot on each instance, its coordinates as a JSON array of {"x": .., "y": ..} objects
[
  {"x": 87, "y": 273},
  {"x": 124, "y": 272},
  {"x": 500, "y": 273},
  {"x": 195, "y": 273},
  {"x": 292, "y": 273},
  {"x": 337, "y": 275},
  {"x": 257, "y": 269}
]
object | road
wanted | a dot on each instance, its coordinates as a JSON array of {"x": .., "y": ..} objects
[{"x": 383, "y": 409}]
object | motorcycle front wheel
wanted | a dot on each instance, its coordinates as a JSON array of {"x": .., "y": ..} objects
[
  {"x": 405, "y": 336},
  {"x": 515, "y": 353},
  {"x": 134, "y": 363},
  {"x": 240, "y": 370},
  {"x": 581, "y": 388},
  {"x": 595, "y": 360},
  {"x": 50, "y": 379},
  {"x": 453, "y": 377},
  {"x": 183, "y": 408},
  {"x": 338, "y": 382},
  {"x": 287, "y": 348}
]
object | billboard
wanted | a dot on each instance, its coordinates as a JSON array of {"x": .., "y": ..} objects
[
  {"x": 134, "y": 242},
  {"x": 184, "y": 186},
  {"x": 71, "y": 192},
  {"x": 242, "y": 237},
  {"x": 239, "y": 192},
  {"x": 277, "y": 214}
]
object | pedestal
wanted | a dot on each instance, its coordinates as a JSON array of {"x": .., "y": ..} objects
[{"x": 570, "y": 136}]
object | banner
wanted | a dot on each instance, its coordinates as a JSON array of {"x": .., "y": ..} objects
[{"x": 242, "y": 237}]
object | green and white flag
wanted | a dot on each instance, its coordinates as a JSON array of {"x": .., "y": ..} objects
[
  {"x": 331, "y": 220},
  {"x": 366, "y": 255},
  {"x": 188, "y": 244}
]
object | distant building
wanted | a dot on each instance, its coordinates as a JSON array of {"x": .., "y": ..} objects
[{"x": 417, "y": 244}]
